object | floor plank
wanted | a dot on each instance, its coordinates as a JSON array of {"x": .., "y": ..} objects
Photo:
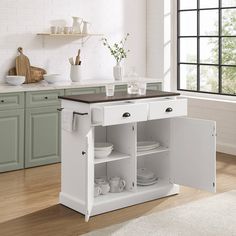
[{"x": 29, "y": 202}]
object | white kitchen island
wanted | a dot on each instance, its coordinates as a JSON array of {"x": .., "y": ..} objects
[{"x": 187, "y": 154}]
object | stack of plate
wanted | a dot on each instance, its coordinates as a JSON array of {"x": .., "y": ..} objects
[
  {"x": 147, "y": 145},
  {"x": 146, "y": 177},
  {"x": 103, "y": 150}
]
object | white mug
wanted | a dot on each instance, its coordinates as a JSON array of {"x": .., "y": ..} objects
[
  {"x": 117, "y": 184},
  {"x": 97, "y": 190}
]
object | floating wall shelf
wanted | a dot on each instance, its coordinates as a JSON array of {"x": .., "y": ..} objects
[
  {"x": 69, "y": 35},
  {"x": 83, "y": 37}
]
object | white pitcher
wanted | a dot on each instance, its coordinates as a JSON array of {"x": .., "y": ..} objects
[
  {"x": 85, "y": 27},
  {"x": 76, "y": 27}
]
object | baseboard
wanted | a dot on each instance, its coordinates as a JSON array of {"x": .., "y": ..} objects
[{"x": 226, "y": 148}]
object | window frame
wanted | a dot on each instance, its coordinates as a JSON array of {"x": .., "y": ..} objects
[{"x": 198, "y": 63}]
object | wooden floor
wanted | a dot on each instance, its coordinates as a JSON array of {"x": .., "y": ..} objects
[{"x": 29, "y": 202}]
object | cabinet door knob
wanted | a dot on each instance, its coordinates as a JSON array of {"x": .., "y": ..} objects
[
  {"x": 46, "y": 97},
  {"x": 126, "y": 115},
  {"x": 60, "y": 109},
  {"x": 169, "y": 109},
  {"x": 2, "y": 101},
  {"x": 83, "y": 153}
]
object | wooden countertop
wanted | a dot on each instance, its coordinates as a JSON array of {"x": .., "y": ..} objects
[{"x": 118, "y": 96}]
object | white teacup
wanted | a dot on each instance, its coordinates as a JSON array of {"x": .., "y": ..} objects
[
  {"x": 105, "y": 187},
  {"x": 101, "y": 180},
  {"x": 117, "y": 184},
  {"x": 97, "y": 190}
]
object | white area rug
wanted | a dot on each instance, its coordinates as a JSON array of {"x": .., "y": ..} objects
[{"x": 213, "y": 216}]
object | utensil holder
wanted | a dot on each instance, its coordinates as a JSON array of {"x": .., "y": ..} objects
[{"x": 76, "y": 73}]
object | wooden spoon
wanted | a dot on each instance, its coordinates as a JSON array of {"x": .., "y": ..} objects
[
  {"x": 23, "y": 66},
  {"x": 77, "y": 60}
]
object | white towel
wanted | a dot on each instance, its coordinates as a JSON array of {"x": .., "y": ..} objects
[{"x": 68, "y": 121}]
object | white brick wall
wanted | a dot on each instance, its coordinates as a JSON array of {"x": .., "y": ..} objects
[{"x": 21, "y": 20}]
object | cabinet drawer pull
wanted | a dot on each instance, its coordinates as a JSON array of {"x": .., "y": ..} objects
[
  {"x": 83, "y": 153},
  {"x": 60, "y": 109},
  {"x": 2, "y": 101},
  {"x": 169, "y": 109},
  {"x": 79, "y": 113},
  {"x": 46, "y": 97},
  {"x": 126, "y": 115}
]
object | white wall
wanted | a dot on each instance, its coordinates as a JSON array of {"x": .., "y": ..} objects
[
  {"x": 161, "y": 61},
  {"x": 159, "y": 42},
  {"x": 21, "y": 20},
  {"x": 225, "y": 116}
]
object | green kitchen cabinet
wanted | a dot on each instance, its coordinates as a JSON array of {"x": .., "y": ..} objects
[
  {"x": 42, "y": 136},
  {"x": 118, "y": 88},
  {"x": 78, "y": 91},
  {"x": 154, "y": 86},
  {"x": 11, "y": 140}
]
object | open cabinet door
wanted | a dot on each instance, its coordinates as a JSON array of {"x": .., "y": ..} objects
[
  {"x": 193, "y": 153},
  {"x": 89, "y": 174}
]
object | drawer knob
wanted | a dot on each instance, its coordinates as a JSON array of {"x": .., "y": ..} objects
[
  {"x": 126, "y": 115},
  {"x": 2, "y": 101},
  {"x": 46, "y": 97},
  {"x": 60, "y": 109},
  {"x": 169, "y": 109},
  {"x": 83, "y": 153}
]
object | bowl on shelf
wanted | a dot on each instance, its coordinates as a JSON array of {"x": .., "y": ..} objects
[
  {"x": 102, "y": 150},
  {"x": 15, "y": 80},
  {"x": 53, "y": 78}
]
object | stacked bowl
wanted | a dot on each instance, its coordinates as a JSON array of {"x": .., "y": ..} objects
[{"x": 102, "y": 150}]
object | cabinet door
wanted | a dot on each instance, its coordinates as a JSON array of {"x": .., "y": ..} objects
[
  {"x": 12, "y": 140},
  {"x": 193, "y": 153},
  {"x": 89, "y": 174},
  {"x": 42, "y": 136}
]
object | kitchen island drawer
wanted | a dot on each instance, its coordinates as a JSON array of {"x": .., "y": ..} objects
[
  {"x": 43, "y": 98},
  {"x": 10, "y": 101},
  {"x": 167, "y": 108},
  {"x": 120, "y": 113}
]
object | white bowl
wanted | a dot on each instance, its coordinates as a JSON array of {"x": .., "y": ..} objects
[
  {"x": 15, "y": 79},
  {"x": 52, "y": 78},
  {"x": 102, "y": 154},
  {"x": 103, "y": 146}
]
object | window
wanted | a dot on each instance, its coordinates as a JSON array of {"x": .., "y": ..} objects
[{"x": 207, "y": 46}]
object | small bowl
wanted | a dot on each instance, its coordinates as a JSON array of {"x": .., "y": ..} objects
[
  {"x": 15, "y": 80},
  {"x": 102, "y": 154},
  {"x": 52, "y": 78}
]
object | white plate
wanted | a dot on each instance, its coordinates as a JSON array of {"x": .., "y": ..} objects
[
  {"x": 147, "y": 145},
  {"x": 144, "y": 173},
  {"x": 147, "y": 180},
  {"x": 147, "y": 184}
]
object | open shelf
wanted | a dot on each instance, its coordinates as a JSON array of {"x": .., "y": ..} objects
[
  {"x": 153, "y": 151},
  {"x": 110, "y": 197},
  {"x": 114, "y": 156},
  {"x": 69, "y": 35}
]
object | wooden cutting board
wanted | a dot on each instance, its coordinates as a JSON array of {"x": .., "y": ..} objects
[
  {"x": 23, "y": 66},
  {"x": 36, "y": 74}
]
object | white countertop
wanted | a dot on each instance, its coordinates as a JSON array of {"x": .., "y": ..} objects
[{"x": 43, "y": 85}]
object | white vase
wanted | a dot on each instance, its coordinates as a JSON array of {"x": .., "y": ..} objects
[{"x": 118, "y": 72}]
